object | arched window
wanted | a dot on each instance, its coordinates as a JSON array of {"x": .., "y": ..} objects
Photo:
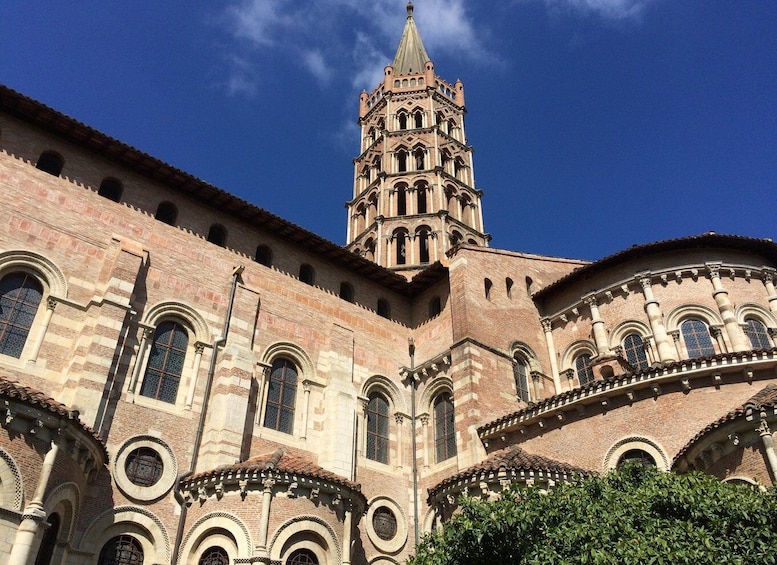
[
  {"x": 302, "y": 557},
  {"x": 378, "y": 428},
  {"x": 165, "y": 364},
  {"x": 49, "y": 542},
  {"x": 435, "y": 306},
  {"x": 423, "y": 245},
  {"x": 402, "y": 118},
  {"x": 110, "y": 189},
  {"x": 521, "y": 375},
  {"x": 401, "y": 161},
  {"x": 166, "y": 213},
  {"x": 419, "y": 119},
  {"x": 307, "y": 274},
  {"x": 421, "y": 191},
  {"x": 634, "y": 348},
  {"x": 217, "y": 235},
  {"x": 444, "y": 430},
  {"x": 637, "y": 456},
  {"x": 509, "y": 287},
  {"x": 400, "y": 237},
  {"x": 263, "y": 255},
  {"x": 698, "y": 342},
  {"x": 20, "y": 296},
  {"x": 281, "y": 396},
  {"x": 51, "y": 163},
  {"x": 420, "y": 159},
  {"x": 487, "y": 285},
  {"x": 757, "y": 333},
  {"x": 121, "y": 550},
  {"x": 583, "y": 369},
  {"x": 384, "y": 309},
  {"x": 214, "y": 556},
  {"x": 346, "y": 292},
  {"x": 401, "y": 200}
]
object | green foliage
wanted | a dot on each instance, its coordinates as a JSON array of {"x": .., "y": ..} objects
[{"x": 634, "y": 516}]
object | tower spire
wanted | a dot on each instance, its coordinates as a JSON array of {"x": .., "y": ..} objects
[{"x": 411, "y": 56}]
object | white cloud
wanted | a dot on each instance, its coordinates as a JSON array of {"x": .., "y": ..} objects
[
  {"x": 618, "y": 10},
  {"x": 315, "y": 63}
]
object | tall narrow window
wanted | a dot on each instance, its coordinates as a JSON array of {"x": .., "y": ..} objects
[
  {"x": 401, "y": 161},
  {"x": 401, "y": 247},
  {"x": 402, "y": 120},
  {"x": 281, "y": 396},
  {"x": 756, "y": 332},
  {"x": 521, "y": 375},
  {"x": 217, "y": 235},
  {"x": 306, "y": 274},
  {"x": 509, "y": 287},
  {"x": 421, "y": 190},
  {"x": 110, "y": 189},
  {"x": 263, "y": 255},
  {"x": 121, "y": 550},
  {"x": 49, "y": 542},
  {"x": 20, "y": 296},
  {"x": 51, "y": 163},
  {"x": 698, "y": 342},
  {"x": 166, "y": 213},
  {"x": 165, "y": 364},
  {"x": 420, "y": 159},
  {"x": 444, "y": 430},
  {"x": 384, "y": 309},
  {"x": 419, "y": 119},
  {"x": 346, "y": 292},
  {"x": 401, "y": 200},
  {"x": 585, "y": 373},
  {"x": 214, "y": 556},
  {"x": 634, "y": 348},
  {"x": 378, "y": 428},
  {"x": 487, "y": 285},
  {"x": 423, "y": 245}
]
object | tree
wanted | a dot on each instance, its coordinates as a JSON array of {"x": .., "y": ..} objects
[{"x": 633, "y": 516}]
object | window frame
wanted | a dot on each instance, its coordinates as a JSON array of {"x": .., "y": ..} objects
[
  {"x": 381, "y": 421},
  {"x": 288, "y": 409},
  {"x": 7, "y": 323},
  {"x": 696, "y": 350},
  {"x": 177, "y": 323},
  {"x": 445, "y": 446}
]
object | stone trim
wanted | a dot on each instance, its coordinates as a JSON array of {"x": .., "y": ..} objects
[
  {"x": 395, "y": 544},
  {"x": 11, "y": 477},
  {"x": 165, "y": 482}
]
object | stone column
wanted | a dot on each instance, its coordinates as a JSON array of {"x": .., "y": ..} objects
[
  {"x": 734, "y": 331},
  {"x": 767, "y": 276},
  {"x": 425, "y": 438},
  {"x": 347, "y": 532},
  {"x": 399, "y": 418},
  {"x": 766, "y": 438},
  {"x": 600, "y": 335},
  {"x": 547, "y": 327},
  {"x": 717, "y": 333},
  {"x": 677, "y": 347},
  {"x": 33, "y": 515},
  {"x": 140, "y": 360},
  {"x": 656, "y": 319},
  {"x": 199, "y": 347},
  {"x": 50, "y": 305},
  {"x": 264, "y": 521},
  {"x": 305, "y": 408}
]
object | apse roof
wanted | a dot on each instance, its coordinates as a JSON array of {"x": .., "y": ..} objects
[
  {"x": 763, "y": 399},
  {"x": 411, "y": 56},
  {"x": 510, "y": 458},
  {"x": 765, "y": 247}
]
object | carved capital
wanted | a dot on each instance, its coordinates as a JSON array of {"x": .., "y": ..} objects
[
  {"x": 675, "y": 335},
  {"x": 590, "y": 300},
  {"x": 199, "y": 347},
  {"x": 399, "y": 418},
  {"x": 644, "y": 281},
  {"x": 768, "y": 275},
  {"x": 268, "y": 484},
  {"x": 716, "y": 331},
  {"x": 713, "y": 269},
  {"x": 51, "y": 303},
  {"x": 424, "y": 419},
  {"x": 547, "y": 325}
]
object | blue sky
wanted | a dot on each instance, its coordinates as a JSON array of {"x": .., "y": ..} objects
[{"x": 596, "y": 124}]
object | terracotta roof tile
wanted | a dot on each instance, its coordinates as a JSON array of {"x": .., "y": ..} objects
[
  {"x": 283, "y": 460},
  {"x": 36, "y": 398},
  {"x": 511, "y": 458},
  {"x": 765, "y": 398}
]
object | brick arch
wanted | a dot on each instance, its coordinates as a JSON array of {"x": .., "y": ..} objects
[
  {"x": 389, "y": 388},
  {"x": 635, "y": 442},
  {"x": 181, "y": 311},
  {"x": 295, "y": 353},
  {"x": 433, "y": 389}
]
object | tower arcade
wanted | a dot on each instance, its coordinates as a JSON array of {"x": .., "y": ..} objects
[{"x": 414, "y": 195}]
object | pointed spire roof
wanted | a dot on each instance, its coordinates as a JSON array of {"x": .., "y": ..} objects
[{"x": 411, "y": 56}]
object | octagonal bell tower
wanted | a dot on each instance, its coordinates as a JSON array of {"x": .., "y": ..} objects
[{"x": 414, "y": 194}]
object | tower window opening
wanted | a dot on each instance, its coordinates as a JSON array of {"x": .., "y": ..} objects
[
  {"x": 401, "y": 201},
  {"x": 419, "y": 119},
  {"x": 421, "y": 191},
  {"x": 402, "y": 119},
  {"x": 166, "y": 213},
  {"x": 401, "y": 161},
  {"x": 346, "y": 292},
  {"x": 423, "y": 245},
  {"x": 51, "y": 163},
  {"x": 509, "y": 287},
  {"x": 263, "y": 255},
  {"x": 307, "y": 274},
  {"x": 110, "y": 189},
  {"x": 217, "y": 235},
  {"x": 420, "y": 159},
  {"x": 401, "y": 247},
  {"x": 487, "y": 285}
]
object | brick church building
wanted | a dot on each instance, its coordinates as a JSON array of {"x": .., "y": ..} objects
[{"x": 187, "y": 378}]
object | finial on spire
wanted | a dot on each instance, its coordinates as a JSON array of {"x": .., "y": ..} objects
[{"x": 409, "y": 9}]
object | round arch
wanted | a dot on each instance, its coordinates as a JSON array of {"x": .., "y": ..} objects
[
  {"x": 52, "y": 276},
  {"x": 527, "y": 353},
  {"x": 627, "y": 327},
  {"x": 11, "y": 486},
  {"x": 132, "y": 520},
  {"x": 182, "y": 311},
  {"x": 433, "y": 388},
  {"x": 309, "y": 532},
  {"x": 295, "y": 353},
  {"x": 635, "y": 442},
  {"x": 750, "y": 310},
  {"x": 387, "y": 387},
  {"x": 65, "y": 500},
  {"x": 575, "y": 349},
  {"x": 216, "y": 528},
  {"x": 686, "y": 311}
]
